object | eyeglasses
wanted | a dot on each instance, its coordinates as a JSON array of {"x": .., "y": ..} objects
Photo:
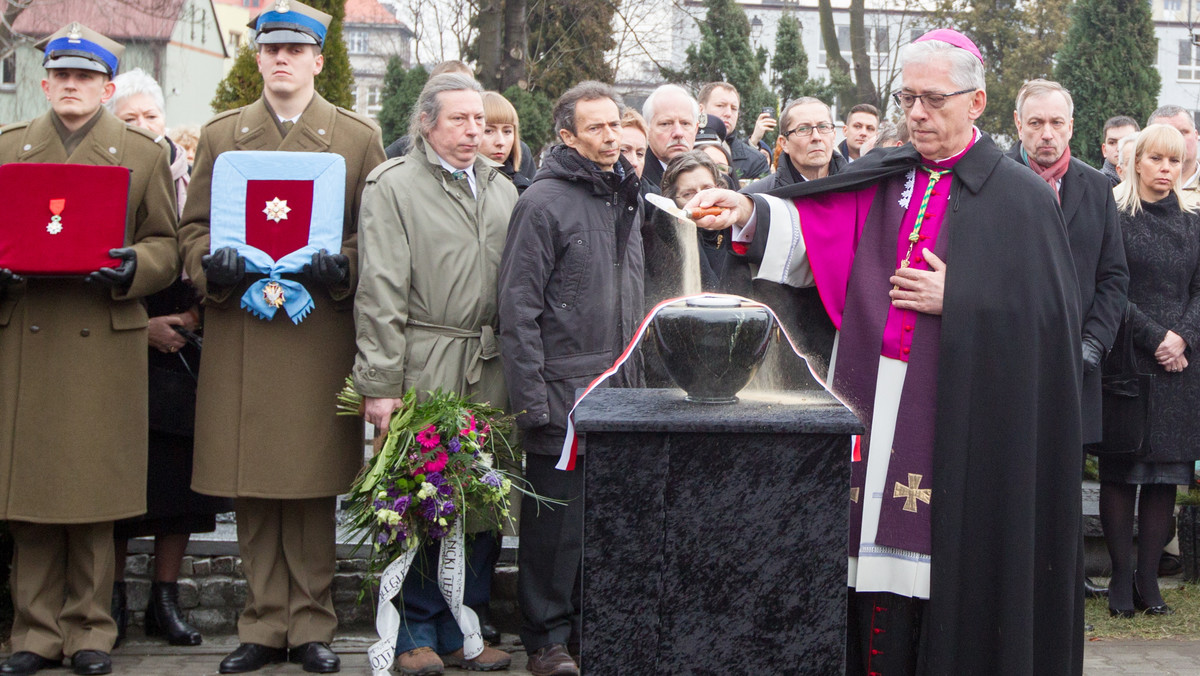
[
  {"x": 934, "y": 101},
  {"x": 806, "y": 130}
]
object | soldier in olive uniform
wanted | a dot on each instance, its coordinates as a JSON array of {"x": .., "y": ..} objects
[
  {"x": 73, "y": 393},
  {"x": 266, "y": 430}
]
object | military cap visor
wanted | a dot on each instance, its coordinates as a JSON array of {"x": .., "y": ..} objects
[
  {"x": 77, "y": 46},
  {"x": 291, "y": 23}
]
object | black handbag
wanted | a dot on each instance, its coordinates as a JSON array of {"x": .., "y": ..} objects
[{"x": 1126, "y": 400}]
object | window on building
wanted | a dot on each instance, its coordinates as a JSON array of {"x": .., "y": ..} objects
[
  {"x": 1189, "y": 61},
  {"x": 1172, "y": 5},
  {"x": 373, "y": 100},
  {"x": 877, "y": 44},
  {"x": 235, "y": 40},
  {"x": 357, "y": 42},
  {"x": 8, "y": 71}
]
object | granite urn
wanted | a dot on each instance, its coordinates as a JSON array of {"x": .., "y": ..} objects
[{"x": 712, "y": 346}]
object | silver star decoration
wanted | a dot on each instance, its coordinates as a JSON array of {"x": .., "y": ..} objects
[{"x": 277, "y": 210}]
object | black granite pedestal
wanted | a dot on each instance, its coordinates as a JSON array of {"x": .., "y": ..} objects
[{"x": 714, "y": 535}]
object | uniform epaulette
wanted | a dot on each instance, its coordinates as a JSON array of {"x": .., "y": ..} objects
[
  {"x": 223, "y": 115},
  {"x": 14, "y": 126},
  {"x": 394, "y": 162},
  {"x": 361, "y": 119}
]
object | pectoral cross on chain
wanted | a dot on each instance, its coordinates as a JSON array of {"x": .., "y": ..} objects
[{"x": 911, "y": 493}]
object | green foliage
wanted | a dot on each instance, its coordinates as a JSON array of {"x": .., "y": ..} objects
[
  {"x": 724, "y": 53},
  {"x": 790, "y": 65},
  {"x": 1018, "y": 42},
  {"x": 401, "y": 89},
  {"x": 568, "y": 40},
  {"x": 336, "y": 80},
  {"x": 1107, "y": 63},
  {"x": 243, "y": 85},
  {"x": 534, "y": 110}
]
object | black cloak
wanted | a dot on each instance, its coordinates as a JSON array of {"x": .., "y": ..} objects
[{"x": 1007, "y": 560}]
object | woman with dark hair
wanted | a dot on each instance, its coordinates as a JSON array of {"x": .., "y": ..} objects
[
  {"x": 174, "y": 511},
  {"x": 1161, "y": 231}
]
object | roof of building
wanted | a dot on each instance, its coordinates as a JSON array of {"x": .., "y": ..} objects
[
  {"x": 368, "y": 11},
  {"x": 116, "y": 19}
]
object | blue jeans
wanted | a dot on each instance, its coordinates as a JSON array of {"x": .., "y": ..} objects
[{"x": 425, "y": 617}]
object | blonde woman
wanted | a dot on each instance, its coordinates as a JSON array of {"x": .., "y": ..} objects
[
  {"x": 502, "y": 139},
  {"x": 1161, "y": 232}
]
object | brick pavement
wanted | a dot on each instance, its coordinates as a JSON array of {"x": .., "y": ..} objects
[{"x": 140, "y": 657}]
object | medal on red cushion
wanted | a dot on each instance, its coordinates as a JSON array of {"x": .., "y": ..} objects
[{"x": 56, "y": 208}]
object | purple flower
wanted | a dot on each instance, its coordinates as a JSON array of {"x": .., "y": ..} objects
[
  {"x": 383, "y": 538},
  {"x": 438, "y": 532},
  {"x": 435, "y": 478},
  {"x": 445, "y": 491},
  {"x": 492, "y": 479},
  {"x": 401, "y": 503},
  {"x": 429, "y": 509},
  {"x": 455, "y": 446},
  {"x": 447, "y": 508}
]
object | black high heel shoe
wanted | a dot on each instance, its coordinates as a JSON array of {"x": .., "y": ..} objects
[
  {"x": 164, "y": 618},
  {"x": 1126, "y": 614},
  {"x": 1140, "y": 604}
]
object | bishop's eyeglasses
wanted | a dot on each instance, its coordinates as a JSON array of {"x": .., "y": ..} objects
[{"x": 934, "y": 101}]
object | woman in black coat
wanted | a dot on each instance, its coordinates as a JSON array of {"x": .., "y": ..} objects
[{"x": 1162, "y": 244}]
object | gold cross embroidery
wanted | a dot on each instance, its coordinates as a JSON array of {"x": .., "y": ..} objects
[
  {"x": 911, "y": 493},
  {"x": 854, "y": 494}
]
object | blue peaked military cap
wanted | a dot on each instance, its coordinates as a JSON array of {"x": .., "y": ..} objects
[
  {"x": 291, "y": 22},
  {"x": 77, "y": 46}
]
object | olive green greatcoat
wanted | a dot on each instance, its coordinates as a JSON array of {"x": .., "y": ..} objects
[
  {"x": 265, "y": 412},
  {"x": 430, "y": 258},
  {"x": 73, "y": 398}
]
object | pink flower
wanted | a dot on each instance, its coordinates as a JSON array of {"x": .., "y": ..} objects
[
  {"x": 428, "y": 437},
  {"x": 437, "y": 464},
  {"x": 470, "y": 425}
]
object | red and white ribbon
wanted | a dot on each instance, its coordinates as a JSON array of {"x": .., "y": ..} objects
[{"x": 570, "y": 448}]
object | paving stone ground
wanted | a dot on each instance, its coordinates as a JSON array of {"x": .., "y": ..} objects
[{"x": 140, "y": 657}]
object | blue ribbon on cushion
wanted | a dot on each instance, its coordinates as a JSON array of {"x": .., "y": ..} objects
[{"x": 227, "y": 220}]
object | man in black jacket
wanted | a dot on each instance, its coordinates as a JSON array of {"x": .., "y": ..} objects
[
  {"x": 722, "y": 100},
  {"x": 672, "y": 116},
  {"x": 570, "y": 298},
  {"x": 808, "y": 154},
  {"x": 1045, "y": 124}
]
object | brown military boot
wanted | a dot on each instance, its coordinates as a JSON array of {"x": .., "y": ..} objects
[
  {"x": 552, "y": 660},
  {"x": 420, "y": 662},
  {"x": 488, "y": 660}
]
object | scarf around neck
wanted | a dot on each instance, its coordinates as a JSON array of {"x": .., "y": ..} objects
[{"x": 1053, "y": 173}]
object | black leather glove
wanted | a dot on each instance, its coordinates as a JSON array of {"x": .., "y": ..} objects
[
  {"x": 1093, "y": 352},
  {"x": 224, "y": 267},
  {"x": 9, "y": 277},
  {"x": 121, "y": 276},
  {"x": 328, "y": 269}
]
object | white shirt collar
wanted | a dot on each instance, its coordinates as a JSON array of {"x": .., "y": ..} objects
[{"x": 470, "y": 171}]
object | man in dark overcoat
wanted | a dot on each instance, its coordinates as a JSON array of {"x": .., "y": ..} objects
[
  {"x": 73, "y": 393},
  {"x": 947, "y": 270},
  {"x": 266, "y": 432}
]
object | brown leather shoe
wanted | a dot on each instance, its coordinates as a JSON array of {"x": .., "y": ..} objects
[
  {"x": 420, "y": 662},
  {"x": 488, "y": 660},
  {"x": 552, "y": 660}
]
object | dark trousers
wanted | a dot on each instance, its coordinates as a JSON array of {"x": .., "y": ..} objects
[
  {"x": 550, "y": 554},
  {"x": 426, "y": 617},
  {"x": 884, "y": 634}
]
